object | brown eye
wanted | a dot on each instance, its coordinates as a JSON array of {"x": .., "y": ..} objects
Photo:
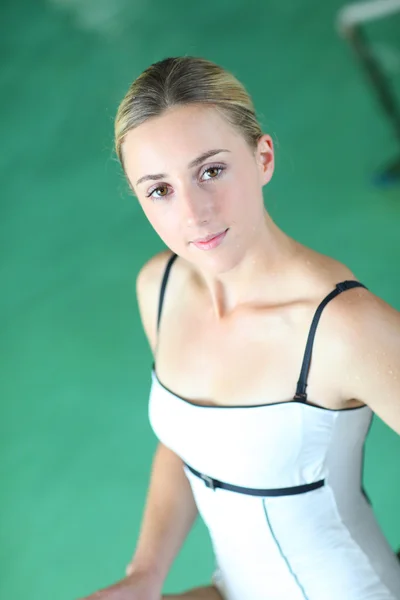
[
  {"x": 162, "y": 191},
  {"x": 212, "y": 172},
  {"x": 159, "y": 192}
]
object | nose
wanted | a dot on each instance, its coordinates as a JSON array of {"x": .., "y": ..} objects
[{"x": 197, "y": 207}]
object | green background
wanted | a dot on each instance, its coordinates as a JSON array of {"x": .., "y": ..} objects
[{"x": 76, "y": 446}]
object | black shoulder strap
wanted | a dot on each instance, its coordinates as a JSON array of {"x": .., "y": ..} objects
[
  {"x": 164, "y": 285},
  {"x": 302, "y": 383}
]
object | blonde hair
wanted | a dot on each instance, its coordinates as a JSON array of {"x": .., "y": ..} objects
[{"x": 181, "y": 81}]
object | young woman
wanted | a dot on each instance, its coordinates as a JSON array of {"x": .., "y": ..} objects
[{"x": 270, "y": 360}]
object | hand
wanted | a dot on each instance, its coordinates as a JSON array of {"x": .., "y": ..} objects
[{"x": 135, "y": 586}]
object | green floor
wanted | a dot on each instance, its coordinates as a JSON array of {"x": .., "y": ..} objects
[{"x": 76, "y": 445}]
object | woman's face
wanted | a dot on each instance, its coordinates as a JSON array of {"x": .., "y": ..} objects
[{"x": 195, "y": 175}]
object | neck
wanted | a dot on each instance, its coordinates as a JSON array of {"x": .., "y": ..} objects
[{"x": 265, "y": 265}]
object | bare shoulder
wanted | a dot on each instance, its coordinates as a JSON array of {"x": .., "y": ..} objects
[
  {"x": 371, "y": 352},
  {"x": 148, "y": 285},
  {"x": 367, "y": 317},
  {"x": 150, "y": 272},
  {"x": 358, "y": 338},
  {"x": 360, "y": 311},
  {"x": 363, "y": 332},
  {"x": 322, "y": 270},
  {"x": 355, "y": 312}
]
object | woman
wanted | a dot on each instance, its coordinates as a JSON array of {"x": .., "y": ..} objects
[{"x": 271, "y": 460}]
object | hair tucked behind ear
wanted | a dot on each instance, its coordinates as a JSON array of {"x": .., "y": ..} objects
[{"x": 180, "y": 81}]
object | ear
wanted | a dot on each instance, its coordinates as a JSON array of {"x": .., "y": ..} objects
[{"x": 265, "y": 158}]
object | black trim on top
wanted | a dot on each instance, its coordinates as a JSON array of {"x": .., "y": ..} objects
[
  {"x": 214, "y": 484},
  {"x": 236, "y": 406}
]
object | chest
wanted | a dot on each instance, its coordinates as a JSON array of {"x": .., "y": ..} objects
[{"x": 251, "y": 359}]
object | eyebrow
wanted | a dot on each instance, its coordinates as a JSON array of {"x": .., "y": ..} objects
[{"x": 194, "y": 163}]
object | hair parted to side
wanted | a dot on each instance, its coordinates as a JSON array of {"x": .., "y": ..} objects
[{"x": 181, "y": 81}]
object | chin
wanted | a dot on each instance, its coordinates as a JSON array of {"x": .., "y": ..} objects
[{"x": 217, "y": 263}]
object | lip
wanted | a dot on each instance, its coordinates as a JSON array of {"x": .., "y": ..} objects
[
  {"x": 212, "y": 242},
  {"x": 208, "y": 238}
]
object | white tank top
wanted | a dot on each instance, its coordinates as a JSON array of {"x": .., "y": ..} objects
[{"x": 305, "y": 463}]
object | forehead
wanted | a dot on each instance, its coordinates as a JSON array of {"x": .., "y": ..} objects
[{"x": 176, "y": 137}]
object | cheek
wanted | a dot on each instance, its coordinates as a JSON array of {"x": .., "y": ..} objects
[
  {"x": 245, "y": 197},
  {"x": 163, "y": 219}
]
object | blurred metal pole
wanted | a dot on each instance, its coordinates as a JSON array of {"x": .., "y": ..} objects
[{"x": 350, "y": 21}]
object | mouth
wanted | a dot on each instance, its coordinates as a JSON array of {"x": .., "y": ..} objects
[
  {"x": 208, "y": 238},
  {"x": 211, "y": 241}
]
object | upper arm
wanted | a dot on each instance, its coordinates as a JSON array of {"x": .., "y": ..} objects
[
  {"x": 373, "y": 365},
  {"x": 148, "y": 286}
]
